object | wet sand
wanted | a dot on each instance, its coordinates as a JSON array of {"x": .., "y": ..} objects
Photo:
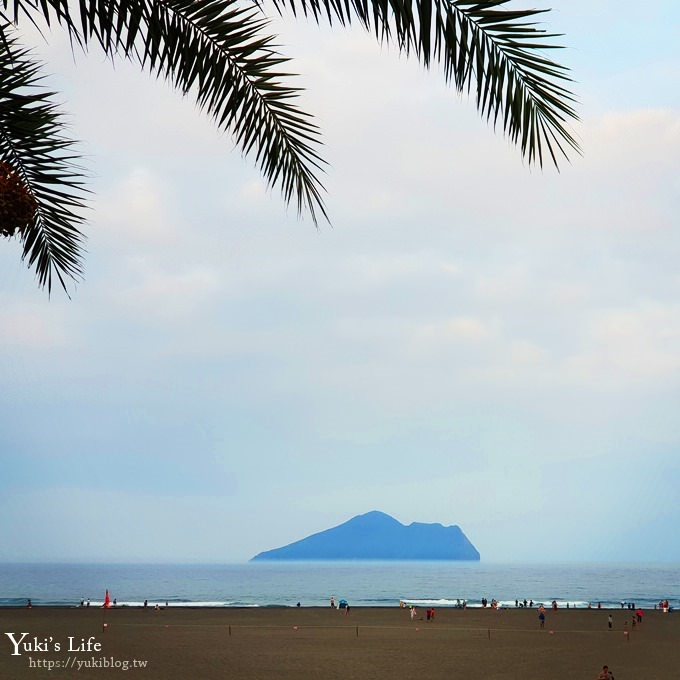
[{"x": 324, "y": 644}]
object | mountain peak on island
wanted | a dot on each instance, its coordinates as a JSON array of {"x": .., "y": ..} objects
[{"x": 376, "y": 535}]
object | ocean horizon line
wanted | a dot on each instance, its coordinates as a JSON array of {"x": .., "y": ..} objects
[{"x": 260, "y": 563}]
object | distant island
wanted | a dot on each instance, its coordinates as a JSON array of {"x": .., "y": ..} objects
[{"x": 377, "y": 536}]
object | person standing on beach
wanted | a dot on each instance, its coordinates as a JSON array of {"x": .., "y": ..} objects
[
  {"x": 610, "y": 621},
  {"x": 606, "y": 674},
  {"x": 541, "y": 618}
]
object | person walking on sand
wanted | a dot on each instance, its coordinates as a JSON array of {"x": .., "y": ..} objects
[
  {"x": 606, "y": 674},
  {"x": 610, "y": 621},
  {"x": 541, "y": 618}
]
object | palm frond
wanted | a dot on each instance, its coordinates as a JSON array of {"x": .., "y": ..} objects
[
  {"x": 219, "y": 52},
  {"x": 33, "y": 144},
  {"x": 483, "y": 46}
]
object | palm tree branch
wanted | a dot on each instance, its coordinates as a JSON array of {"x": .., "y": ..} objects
[
  {"x": 482, "y": 45},
  {"x": 500, "y": 47},
  {"x": 219, "y": 51},
  {"x": 33, "y": 143}
]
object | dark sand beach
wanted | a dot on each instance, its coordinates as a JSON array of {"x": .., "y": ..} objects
[{"x": 370, "y": 643}]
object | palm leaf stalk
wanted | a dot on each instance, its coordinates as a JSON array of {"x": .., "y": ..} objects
[{"x": 219, "y": 52}]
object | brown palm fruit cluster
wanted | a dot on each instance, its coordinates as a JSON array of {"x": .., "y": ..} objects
[{"x": 17, "y": 205}]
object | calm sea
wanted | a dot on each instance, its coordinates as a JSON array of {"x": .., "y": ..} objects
[{"x": 362, "y": 584}]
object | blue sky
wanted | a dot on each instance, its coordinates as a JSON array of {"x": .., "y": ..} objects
[{"x": 473, "y": 342}]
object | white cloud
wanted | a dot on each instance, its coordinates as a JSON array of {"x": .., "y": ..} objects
[
  {"x": 33, "y": 327},
  {"x": 157, "y": 295},
  {"x": 461, "y": 329},
  {"x": 628, "y": 347},
  {"x": 136, "y": 212}
]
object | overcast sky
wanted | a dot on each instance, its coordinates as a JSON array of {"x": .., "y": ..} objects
[{"x": 473, "y": 341}]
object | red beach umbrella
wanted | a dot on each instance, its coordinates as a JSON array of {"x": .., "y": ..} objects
[{"x": 107, "y": 599}]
